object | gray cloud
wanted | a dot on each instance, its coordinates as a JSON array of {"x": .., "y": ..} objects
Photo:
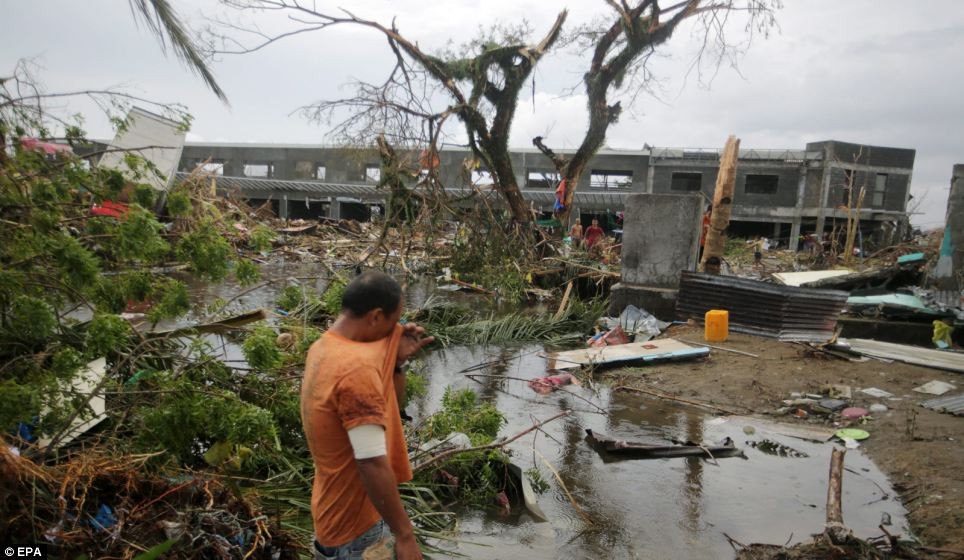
[{"x": 872, "y": 71}]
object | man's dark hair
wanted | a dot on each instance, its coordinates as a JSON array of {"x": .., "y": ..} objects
[{"x": 371, "y": 290}]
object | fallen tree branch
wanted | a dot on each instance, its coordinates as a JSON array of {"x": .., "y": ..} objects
[{"x": 500, "y": 443}]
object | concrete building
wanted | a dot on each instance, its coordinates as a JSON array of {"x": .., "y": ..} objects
[{"x": 779, "y": 193}]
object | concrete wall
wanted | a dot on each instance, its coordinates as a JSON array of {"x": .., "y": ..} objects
[
  {"x": 808, "y": 189},
  {"x": 661, "y": 234},
  {"x": 950, "y": 264}
]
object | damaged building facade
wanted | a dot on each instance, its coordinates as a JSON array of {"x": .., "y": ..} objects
[{"x": 781, "y": 194}]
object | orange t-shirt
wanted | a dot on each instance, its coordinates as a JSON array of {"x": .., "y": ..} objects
[{"x": 348, "y": 384}]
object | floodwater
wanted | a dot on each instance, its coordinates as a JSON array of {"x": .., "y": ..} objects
[
  {"x": 663, "y": 508},
  {"x": 653, "y": 509}
]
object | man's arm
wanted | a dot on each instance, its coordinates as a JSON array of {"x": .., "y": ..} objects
[{"x": 379, "y": 482}]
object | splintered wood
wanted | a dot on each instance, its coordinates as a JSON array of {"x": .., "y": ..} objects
[{"x": 722, "y": 204}]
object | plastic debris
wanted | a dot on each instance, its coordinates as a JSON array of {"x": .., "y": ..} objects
[
  {"x": 636, "y": 321},
  {"x": 935, "y": 387},
  {"x": 942, "y": 334},
  {"x": 854, "y": 412},
  {"x": 612, "y": 337},
  {"x": 875, "y": 392},
  {"x": 105, "y": 518},
  {"x": 831, "y": 405},
  {"x": 550, "y": 383}
]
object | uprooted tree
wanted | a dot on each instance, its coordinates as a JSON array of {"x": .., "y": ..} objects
[{"x": 480, "y": 83}]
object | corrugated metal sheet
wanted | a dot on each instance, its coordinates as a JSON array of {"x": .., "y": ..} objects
[
  {"x": 783, "y": 312},
  {"x": 927, "y": 357},
  {"x": 953, "y": 404}
]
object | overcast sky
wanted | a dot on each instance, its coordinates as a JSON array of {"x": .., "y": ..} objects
[{"x": 877, "y": 72}]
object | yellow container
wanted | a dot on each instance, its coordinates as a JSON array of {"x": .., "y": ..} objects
[{"x": 717, "y": 323}]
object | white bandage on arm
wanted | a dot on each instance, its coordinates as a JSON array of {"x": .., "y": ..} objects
[{"x": 368, "y": 441}]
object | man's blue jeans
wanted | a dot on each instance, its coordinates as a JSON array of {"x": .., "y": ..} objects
[{"x": 356, "y": 548}]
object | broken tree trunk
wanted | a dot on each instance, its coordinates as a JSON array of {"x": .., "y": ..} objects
[
  {"x": 722, "y": 207},
  {"x": 834, "y": 528}
]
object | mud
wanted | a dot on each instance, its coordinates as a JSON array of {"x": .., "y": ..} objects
[{"x": 919, "y": 450}]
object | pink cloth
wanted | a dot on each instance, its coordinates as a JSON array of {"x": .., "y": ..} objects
[
  {"x": 548, "y": 384},
  {"x": 48, "y": 148}
]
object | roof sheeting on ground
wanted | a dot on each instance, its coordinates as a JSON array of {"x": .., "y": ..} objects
[
  {"x": 927, "y": 357},
  {"x": 763, "y": 309},
  {"x": 800, "y": 278},
  {"x": 953, "y": 404}
]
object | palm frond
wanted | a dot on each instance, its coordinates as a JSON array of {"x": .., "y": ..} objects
[{"x": 164, "y": 22}]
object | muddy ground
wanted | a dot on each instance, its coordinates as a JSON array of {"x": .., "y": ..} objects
[{"x": 919, "y": 449}]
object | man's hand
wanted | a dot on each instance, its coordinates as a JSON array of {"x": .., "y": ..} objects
[
  {"x": 413, "y": 339},
  {"x": 406, "y": 548}
]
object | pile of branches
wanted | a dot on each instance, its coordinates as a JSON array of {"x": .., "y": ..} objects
[{"x": 102, "y": 505}]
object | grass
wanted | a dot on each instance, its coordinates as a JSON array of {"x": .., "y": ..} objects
[{"x": 451, "y": 324}]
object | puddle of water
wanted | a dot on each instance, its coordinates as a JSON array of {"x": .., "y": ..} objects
[{"x": 665, "y": 508}]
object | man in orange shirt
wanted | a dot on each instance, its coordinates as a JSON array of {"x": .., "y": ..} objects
[{"x": 350, "y": 402}]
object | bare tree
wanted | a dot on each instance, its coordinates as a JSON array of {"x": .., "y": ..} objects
[
  {"x": 482, "y": 87},
  {"x": 481, "y": 82},
  {"x": 620, "y": 51}
]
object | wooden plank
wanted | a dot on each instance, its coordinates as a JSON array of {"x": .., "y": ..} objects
[{"x": 649, "y": 351}]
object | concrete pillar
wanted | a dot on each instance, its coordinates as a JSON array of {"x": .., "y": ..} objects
[
  {"x": 798, "y": 207},
  {"x": 650, "y": 173},
  {"x": 950, "y": 264},
  {"x": 283, "y": 207},
  {"x": 334, "y": 209},
  {"x": 824, "y": 194},
  {"x": 661, "y": 237},
  {"x": 777, "y": 230},
  {"x": 795, "y": 234}
]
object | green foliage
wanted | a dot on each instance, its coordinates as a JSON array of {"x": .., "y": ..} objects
[
  {"x": 261, "y": 349},
  {"x": 307, "y": 337},
  {"x": 179, "y": 203},
  {"x": 462, "y": 413},
  {"x": 452, "y": 324},
  {"x": 77, "y": 266},
  {"x": 480, "y": 474},
  {"x": 416, "y": 385},
  {"x": 331, "y": 299},
  {"x": 261, "y": 238},
  {"x": 56, "y": 258},
  {"x": 106, "y": 334},
  {"x": 189, "y": 416},
  {"x": 537, "y": 481},
  {"x": 206, "y": 251},
  {"x": 30, "y": 320},
  {"x": 247, "y": 272},
  {"x": 137, "y": 237},
  {"x": 145, "y": 195}
]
